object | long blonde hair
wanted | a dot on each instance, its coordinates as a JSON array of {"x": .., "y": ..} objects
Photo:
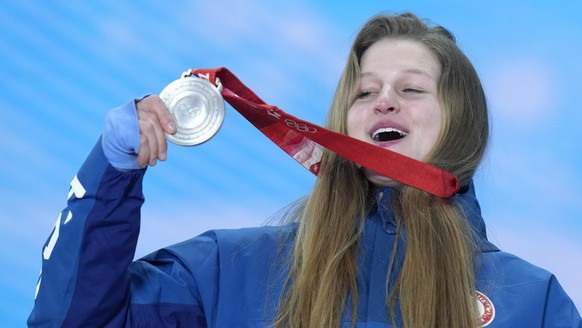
[{"x": 436, "y": 281}]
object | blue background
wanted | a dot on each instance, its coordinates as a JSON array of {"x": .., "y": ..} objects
[{"x": 64, "y": 64}]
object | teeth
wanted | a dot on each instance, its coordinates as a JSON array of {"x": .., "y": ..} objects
[{"x": 377, "y": 133}]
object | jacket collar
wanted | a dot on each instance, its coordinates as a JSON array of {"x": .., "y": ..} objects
[{"x": 466, "y": 201}]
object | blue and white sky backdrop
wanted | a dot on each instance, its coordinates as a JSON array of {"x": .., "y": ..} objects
[{"x": 64, "y": 64}]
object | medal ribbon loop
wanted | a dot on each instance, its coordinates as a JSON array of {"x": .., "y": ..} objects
[{"x": 303, "y": 140}]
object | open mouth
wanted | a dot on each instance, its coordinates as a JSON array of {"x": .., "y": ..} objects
[{"x": 388, "y": 134}]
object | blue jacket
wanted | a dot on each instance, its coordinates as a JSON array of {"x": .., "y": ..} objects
[{"x": 233, "y": 278}]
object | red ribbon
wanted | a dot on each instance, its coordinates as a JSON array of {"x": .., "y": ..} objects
[{"x": 303, "y": 140}]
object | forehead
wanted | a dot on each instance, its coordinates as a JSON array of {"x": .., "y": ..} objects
[{"x": 397, "y": 55}]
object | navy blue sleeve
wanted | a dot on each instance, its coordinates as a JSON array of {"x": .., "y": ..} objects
[{"x": 85, "y": 280}]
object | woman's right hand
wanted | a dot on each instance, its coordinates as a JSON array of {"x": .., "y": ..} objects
[{"x": 155, "y": 121}]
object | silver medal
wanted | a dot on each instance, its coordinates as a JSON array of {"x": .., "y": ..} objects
[{"x": 197, "y": 107}]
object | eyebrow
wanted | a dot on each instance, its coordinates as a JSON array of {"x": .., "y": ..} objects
[
  {"x": 415, "y": 71},
  {"x": 418, "y": 72}
]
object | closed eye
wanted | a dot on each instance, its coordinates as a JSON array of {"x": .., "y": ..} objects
[
  {"x": 412, "y": 90},
  {"x": 364, "y": 94}
]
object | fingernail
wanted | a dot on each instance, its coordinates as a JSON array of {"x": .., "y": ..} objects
[{"x": 172, "y": 127}]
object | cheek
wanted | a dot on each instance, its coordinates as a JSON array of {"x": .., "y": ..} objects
[
  {"x": 352, "y": 122},
  {"x": 432, "y": 129},
  {"x": 430, "y": 139}
]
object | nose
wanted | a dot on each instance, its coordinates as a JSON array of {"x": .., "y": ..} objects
[{"x": 386, "y": 103}]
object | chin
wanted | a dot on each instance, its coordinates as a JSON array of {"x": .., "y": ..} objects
[{"x": 378, "y": 180}]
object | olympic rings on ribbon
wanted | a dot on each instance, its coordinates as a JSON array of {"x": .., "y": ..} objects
[{"x": 302, "y": 127}]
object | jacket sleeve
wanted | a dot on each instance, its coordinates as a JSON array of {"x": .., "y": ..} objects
[
  {"x": 560, "y": 311},
  {"x": 176, "y": 285},
  {"x": 84, "y": 280}
]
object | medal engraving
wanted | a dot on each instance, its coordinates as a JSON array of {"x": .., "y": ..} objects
[{"x": 197, "y": 107}]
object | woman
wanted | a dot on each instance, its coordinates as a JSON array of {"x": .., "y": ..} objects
[{"x": 361, "y": 250}]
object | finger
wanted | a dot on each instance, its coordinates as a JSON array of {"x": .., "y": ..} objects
[
  {"x": 143, "y": 156},
  {"x": 150, "y": 139},
  {"x": 162, "y": 144},
  {"x": 156, "y": 137},
  {"x": 155, "y": 112},
  {"x": 155, "y": 105}
]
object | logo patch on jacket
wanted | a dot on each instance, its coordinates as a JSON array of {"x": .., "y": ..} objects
[{"x": 486, "y": 309}]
